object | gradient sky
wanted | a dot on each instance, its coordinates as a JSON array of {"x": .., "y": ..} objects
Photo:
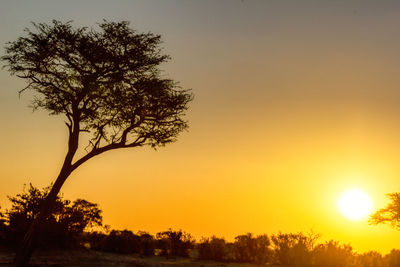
[{"x": 295, "y": 101}]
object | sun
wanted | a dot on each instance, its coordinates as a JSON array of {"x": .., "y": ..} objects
[{"x": 355, "y": 204}]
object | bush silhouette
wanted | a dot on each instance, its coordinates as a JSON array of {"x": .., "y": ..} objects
[
  {"x": 252, "y": 249},
  {"x": 70, "y": 222},
  {"x": 175, "y": 243},
  {"x": 213, "y": 249},
  {"x": 147, "y": 243},
  {"x": 61, "y": 229},
  {"x": 293, "y": 249},
  {"x": 106, "y": 83},
  {"x": 122, "y": 242},
  {"x": 370, "y": 259},
  {"x": 393, "y": 258},
  {"x": 331, "y": 254}
]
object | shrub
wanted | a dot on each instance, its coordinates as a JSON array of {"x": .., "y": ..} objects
[
  {"x": 213, "y": 249},
  {"x": 252, "y": 249},
  {"x": 147, "y": 243},
  {"x": 175, "y": 243},
  {"x": 393, "y": 258},
  {"x": 370, "y": 259},
  {"x": 293, "y": 249},
  {"x": 331, "y": 254},
  {"x": 121, "y": 242},
  {"x": 67, "y": 221}
]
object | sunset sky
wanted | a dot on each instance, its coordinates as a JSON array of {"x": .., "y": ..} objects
[{"x": 295, "y": 102}]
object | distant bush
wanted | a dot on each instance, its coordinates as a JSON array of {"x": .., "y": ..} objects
[
  {"x": 147, "y": 243},
  {"x": 293, "y": 249},
  {"x": 95, "y": 240},
  {"x": 393, "y": 258},
  {"x": 213, "y": 249},
  {"x": 331, "y": 254},
  {"x": 121, "y": 242},
  {"x": 72, "y": 223},
  {"x": 252, "y": 249},
  {"x": 370, "y": 259},
  {"x": 175, "y": 243}
]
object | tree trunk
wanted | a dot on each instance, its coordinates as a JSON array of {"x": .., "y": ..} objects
[
  {"x": 27, "y": 246},
  {"x": 28, "y": 243}
]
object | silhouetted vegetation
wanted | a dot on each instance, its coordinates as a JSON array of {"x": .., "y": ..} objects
[
  {"x": 61, "y": 229},
  {"x": 247, "y": 248},
  {"x": 174, "y": 243},
  {"x": 78, "y": 224},
  {"x": 106, "y": 83},
  {"x": 124, "y": 242},
  {"x": 215, "y": 248},
  {"x": 390, "y": 214},
  {"x": 393, "y": 258},
  {"x": 333, "y": 254},
  {"x": 293, "y": 249},
  {"x": 121, "y": 242}
]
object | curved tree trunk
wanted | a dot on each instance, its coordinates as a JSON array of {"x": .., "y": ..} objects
[
  {"x": 27, "y": 246},
  {"x": 28, "y": 243}
]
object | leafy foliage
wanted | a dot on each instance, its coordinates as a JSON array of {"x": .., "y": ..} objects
[
  {"x": 105, "y": 82},
  {"x": 66, "y": 221}
]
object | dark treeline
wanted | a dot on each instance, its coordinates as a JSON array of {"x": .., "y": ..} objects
[{"x": 78, "y": 224}]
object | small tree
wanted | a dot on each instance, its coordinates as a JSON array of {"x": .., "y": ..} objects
[
  {"x": 124, "y": 242},
  {"x": 389, "y": 214},
  {"x": 213, "y": 248},
  {"x": 81, "y": 215},
  {"x": 248, "y": 248},
  {"x": 106, "y": 83},
  {"x": 294, "y": 249},
  {"x": 66, "y": 221},
  {"x": 175, "y": 243},
  {"x": 332, "y": 254}
]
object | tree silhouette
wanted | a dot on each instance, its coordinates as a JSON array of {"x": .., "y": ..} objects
[
  {"x": 106, "y": 83},
  {"x": 175, "y": 243},
  {"x": 389, "y": 214},
  {"x": 67, "y": 220}
]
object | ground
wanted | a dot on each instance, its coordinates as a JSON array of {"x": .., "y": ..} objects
[{"x": 96, "y": 258}]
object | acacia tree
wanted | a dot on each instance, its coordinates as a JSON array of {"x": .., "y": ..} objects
[
  {"x": 105, "y": 82},
  {"x": 389, "y": 214}
]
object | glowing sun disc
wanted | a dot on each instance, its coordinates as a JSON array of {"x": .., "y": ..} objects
[{"x": 355, "y": 204}]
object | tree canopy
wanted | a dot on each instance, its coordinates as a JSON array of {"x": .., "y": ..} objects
[{"x": 105, "y": 82}]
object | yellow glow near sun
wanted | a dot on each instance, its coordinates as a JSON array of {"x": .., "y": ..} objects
[{"x": 355, "y": 204}]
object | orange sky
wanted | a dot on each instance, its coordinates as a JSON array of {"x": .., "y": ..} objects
[{"x": 294, "y": 103}]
